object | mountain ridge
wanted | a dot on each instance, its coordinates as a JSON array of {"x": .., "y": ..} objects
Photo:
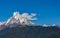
[{"x": 31, "y": 32}]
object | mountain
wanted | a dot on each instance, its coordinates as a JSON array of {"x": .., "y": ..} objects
[
  {"x": 20, "y": 26},
  {"x": 19, "y": 19},
  {"x": 30, "y": 32}
]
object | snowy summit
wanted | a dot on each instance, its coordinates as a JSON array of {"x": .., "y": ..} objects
[{"x": 20, "y": 19}]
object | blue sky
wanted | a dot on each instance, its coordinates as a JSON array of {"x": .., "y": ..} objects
[{"x": 48, "y": 11}]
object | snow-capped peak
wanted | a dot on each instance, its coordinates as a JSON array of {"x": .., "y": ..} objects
[
  {"x": 1, "y": 23},
  {"x": 16, "y": 15},
  {"x": 18, "y": 18},
  {"x": 54, "y": 25},
  {"x": 45, "y": 25}
]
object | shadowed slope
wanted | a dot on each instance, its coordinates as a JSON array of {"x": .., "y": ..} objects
[{"x": 32, "y": 32}]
